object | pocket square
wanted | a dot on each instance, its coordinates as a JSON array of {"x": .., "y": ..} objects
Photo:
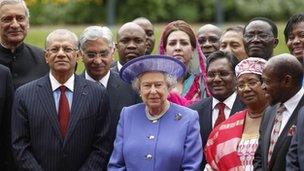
[{"x": 292, "y": 130}]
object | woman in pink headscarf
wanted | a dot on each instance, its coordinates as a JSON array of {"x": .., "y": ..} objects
[
  {"x": 178, "y": 40},
  {"x": 232, "y": 144}
]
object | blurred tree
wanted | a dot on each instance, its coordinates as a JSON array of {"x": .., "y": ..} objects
[{"x": 94, "y": 11}]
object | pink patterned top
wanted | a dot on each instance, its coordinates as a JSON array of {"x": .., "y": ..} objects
[{"x": 246, "y": 149}]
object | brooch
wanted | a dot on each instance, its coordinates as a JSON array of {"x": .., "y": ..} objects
[
  {"x": 178, "y": 116},
  {"x": 291, "y": 131}
]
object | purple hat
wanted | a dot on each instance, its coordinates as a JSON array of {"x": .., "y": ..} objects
[
  {"x": 250, "y": 65},
  {"x": 162, "y": 63}
]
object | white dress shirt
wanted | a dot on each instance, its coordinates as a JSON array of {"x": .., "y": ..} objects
[
  {"x": 69, "y": 84},
  {"x": 290, "y": 105},
  {"x": 228, "y": 106},
  {"x": 104, "y": 80}
]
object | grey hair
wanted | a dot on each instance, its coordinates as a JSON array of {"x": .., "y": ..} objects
[
  {"x": 62, "y": 33},
  {"x": 13, "y": 2},
  {"x": 170, "y": 80},
  {"x": 95, "y": 32}
]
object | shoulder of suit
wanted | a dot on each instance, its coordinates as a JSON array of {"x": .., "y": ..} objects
[
  {"x": 201, "y": 104},
  {"x": 34, "y": 48}
]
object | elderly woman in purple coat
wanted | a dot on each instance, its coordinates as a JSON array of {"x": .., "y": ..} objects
[{"x": 156, "y": 135}]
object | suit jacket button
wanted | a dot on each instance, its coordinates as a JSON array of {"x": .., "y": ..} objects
[{"x": 148, "y": 156}]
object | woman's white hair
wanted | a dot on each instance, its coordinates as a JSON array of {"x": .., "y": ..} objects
[{"x": 170, "y": 80}]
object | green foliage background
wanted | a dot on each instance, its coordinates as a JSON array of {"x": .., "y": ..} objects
[{"x": 95, "y": 11}]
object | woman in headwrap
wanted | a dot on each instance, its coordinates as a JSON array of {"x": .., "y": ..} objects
[
  {"x": 178, "y": 40},
  {"x": 232, "y": 144}
]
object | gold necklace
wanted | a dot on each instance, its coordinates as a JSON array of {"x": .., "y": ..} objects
[{"x": 254, "y": 116}]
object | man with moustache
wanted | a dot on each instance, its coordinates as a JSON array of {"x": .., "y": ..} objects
[
  {"x": 25, "y": 61},
  {"x": 282, "y": 81},
  {"x": 149, "y": 29},
  {"x": 260, "y": 37},
  {"x": 131, "y": 43}
]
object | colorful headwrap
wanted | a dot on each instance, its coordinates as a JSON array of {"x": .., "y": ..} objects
[
  {"x": 250, "y": 65},
  {"x": 185, "y": 27}
]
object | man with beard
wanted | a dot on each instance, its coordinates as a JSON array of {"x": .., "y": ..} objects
[
  {"x": 131, "y": 43},
  {"x": 282, "y": 81},
  {"x": 149, "y": 29},
  {"x": 260, "y": 37},
  {"x": 25, "y": 61}
]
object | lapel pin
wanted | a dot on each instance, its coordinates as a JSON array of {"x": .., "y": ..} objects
[
  {"x": 84, "y": 93},
  {"x": 178, "y": 116}
]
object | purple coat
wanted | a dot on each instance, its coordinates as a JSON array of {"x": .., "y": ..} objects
[{"x": 171, "y": 143}]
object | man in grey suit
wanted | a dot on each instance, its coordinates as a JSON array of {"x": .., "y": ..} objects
[
  {"x": 282, "y": 80},
  {"x": 221, "y": 81},
  {"x": 60, "y": 121},
  {"x": 97, "y": 50}
]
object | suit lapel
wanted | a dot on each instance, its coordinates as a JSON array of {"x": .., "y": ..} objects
[
  {"x": 283, "y": 136},
  {"x": 208, "y": 118},
  {"x": 46, "y": 98},
  {"x": 79, "y": 104},
  {"x": 237, "y": 106}
]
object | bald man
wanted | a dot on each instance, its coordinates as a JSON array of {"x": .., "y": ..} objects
[
  {"x": 282, "y": 81},
  {"x": 131, "y": 43},
  {"x": 209, "y": 38},
  {"x": 149, "y": 30}
]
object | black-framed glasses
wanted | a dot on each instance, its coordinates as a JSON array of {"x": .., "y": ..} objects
[{"x": 102, "y": 54}]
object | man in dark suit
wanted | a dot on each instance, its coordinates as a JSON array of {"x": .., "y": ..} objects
[
  {"x": 282, "y": 81},
  {"x": 131, "y": 43},
  {"x": 60, "y": 121},
  {"x": 221, "y": 81},
  {"x": 97, "y": 50},
  {"x": 6, "y": 99},
  {"x": 26, "y": 62}
]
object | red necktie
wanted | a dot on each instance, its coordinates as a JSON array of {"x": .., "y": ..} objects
[
  {"x": 221, "y": 114},
  {"x": 63, "y": 111}
]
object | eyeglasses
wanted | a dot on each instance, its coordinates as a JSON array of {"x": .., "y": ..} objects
[
  {"x": 250, "y": 84},
  {"x": 260, "y": 36},
  {"x": 66, "y": 50},
  {"x": 221, "y": 74},
  {"x": 9, "y": 19},
  {"x": 102, "y": 54}
]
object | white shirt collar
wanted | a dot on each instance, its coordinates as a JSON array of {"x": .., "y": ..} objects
[
  {"x": 292, "y": 103},
  {"x": 104, "y": 80},
  {"x": 228, "y": 102},
  {"x": 119, "y": 66},
  {"x": 69, "y": 83}
]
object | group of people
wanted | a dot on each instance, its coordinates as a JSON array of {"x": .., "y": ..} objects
[{"x": 211, "y": 100}]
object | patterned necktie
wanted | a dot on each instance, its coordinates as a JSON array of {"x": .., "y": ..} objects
[
  {"x": 63, "y": 111},
  {"x": 276, "y": 129},
  {"x": 221, "y": 113}
]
